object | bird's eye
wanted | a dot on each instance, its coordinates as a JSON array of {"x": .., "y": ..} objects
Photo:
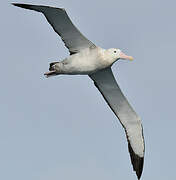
[{"x": 115, "y": 51}]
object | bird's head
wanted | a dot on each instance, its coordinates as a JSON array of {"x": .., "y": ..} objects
[{"x": 116, "y": 54}]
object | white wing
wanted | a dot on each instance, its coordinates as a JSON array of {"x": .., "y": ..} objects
[
  {"x": 107, "y": 85},
  {"x": 63, "y": 26}
]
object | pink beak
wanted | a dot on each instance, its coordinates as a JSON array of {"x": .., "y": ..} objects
[{"x": 124, "y": 56}]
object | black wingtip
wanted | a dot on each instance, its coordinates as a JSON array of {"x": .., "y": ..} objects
[
  {"x": 137, "y": 162},
  {"x": 20, "y": 5},
  {"x": 29, "y": 6}
]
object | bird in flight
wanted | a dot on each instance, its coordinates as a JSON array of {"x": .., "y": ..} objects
[{"x": 88, "y": 59}]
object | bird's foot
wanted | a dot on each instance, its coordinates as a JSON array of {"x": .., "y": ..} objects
[{"x": 50, "y": 73}]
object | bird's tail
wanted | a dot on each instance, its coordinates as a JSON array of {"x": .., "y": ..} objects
[
  {"x": 51, "y": 67},
  {"x": 52, "y": 71}
]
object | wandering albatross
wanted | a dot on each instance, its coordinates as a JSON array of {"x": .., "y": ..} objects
[{"x": 88, "y": 59}]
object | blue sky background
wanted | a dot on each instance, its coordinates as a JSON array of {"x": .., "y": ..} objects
[{"x": 61, "y": 128}]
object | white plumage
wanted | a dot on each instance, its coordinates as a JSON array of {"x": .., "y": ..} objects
[{"x": 88, "y": 59}]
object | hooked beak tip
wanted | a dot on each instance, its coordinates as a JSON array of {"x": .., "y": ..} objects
[
  {"x": 131, "y": 58},
  {"x": 124, "y": 56}
]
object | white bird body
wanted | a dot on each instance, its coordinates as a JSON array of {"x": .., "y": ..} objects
[
  {"x": 85, "y": 62},
  {"x": 89, "y": 59}
]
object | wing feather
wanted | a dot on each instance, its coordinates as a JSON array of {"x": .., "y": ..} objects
[
  {"x": 107, "y": 85},
  {"x": 63, "y": 26}
]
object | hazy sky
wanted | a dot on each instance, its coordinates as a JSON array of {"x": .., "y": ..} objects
[{"x": 61, "y": 128}]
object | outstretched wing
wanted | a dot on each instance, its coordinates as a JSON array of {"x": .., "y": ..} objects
[
  {"x": 63, "y": 26},
  {"x": 107, "y": 85}
]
